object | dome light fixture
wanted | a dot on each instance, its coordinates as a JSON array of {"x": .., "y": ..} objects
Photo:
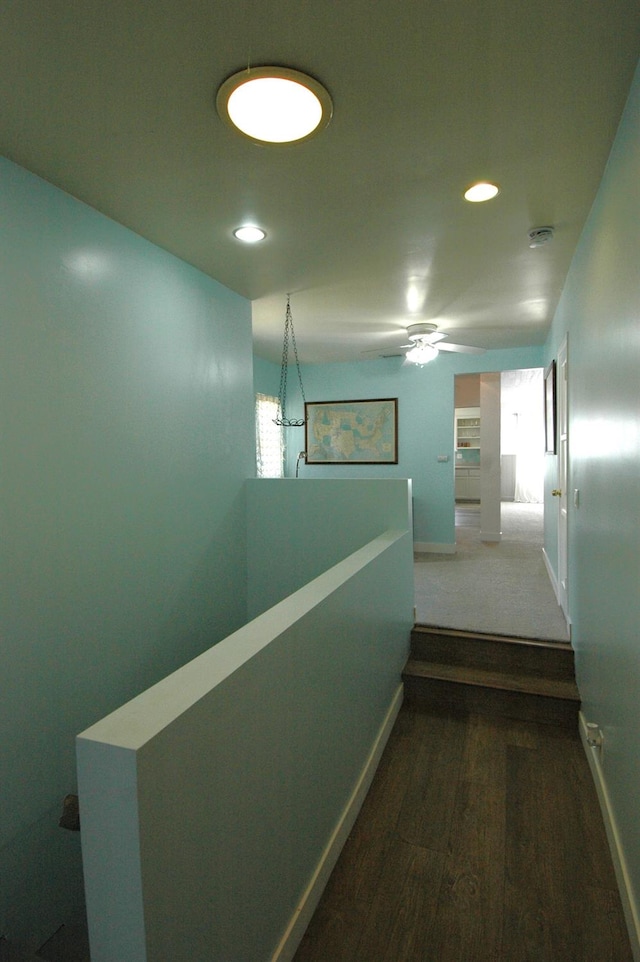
[
  {"x": 480, "y": 192},
  {"x": 249, "y": 234},
  {"x": 274, "y": 105}
]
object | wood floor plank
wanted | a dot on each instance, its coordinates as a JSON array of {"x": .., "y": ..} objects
[
  {"x": 551, "y": 906},
  {"x": 400, "y": 923},
  {"x": 578, "y": 808},
  {"x": 470, "y": 907},
  {"x": 605, "y": 932},
  {"x": 367, "y": 844},
  {"x": 491, "y": 850},
  {"x": 334, "y": 932},
  {"x": 531, "y": 928},
  {"x": 425, "y": 816}
]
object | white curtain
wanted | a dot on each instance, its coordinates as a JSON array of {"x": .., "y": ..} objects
[
  {"x": 269, "y": 438},
  {"x": 522, "y": 430}
]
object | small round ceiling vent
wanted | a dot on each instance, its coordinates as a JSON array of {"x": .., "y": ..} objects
[{"x": 540, "y": 235}]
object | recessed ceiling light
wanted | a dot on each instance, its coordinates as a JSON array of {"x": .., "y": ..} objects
[
  {"x": 274, "y": 105},
  {"x": 480, "y": 192},
  {"x": 249, "y": 234}
]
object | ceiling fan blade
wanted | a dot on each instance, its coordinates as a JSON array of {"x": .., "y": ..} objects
[
  {"x": 396, "y": 351},
  {"x": 437, "y": 339},
  {"x": 461, "y": 348}
]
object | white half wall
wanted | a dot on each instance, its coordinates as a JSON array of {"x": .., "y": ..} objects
[{"x": 211, "y": 803}]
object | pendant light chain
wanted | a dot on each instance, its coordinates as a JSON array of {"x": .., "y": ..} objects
[{"x": 284, "y": 368}]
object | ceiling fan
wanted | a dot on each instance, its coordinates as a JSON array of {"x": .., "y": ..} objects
[{"x": 425, "y": 343}]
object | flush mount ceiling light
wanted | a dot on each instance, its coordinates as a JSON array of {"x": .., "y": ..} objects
[
  {"x": 249, "y": 234},
  {"x": 274, "y": 105},
  {"x": 480, "y": 192}
]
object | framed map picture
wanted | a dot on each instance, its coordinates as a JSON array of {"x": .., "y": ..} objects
[{"x": 352, "y": 432}]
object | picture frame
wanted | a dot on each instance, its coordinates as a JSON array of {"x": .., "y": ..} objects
[
  {"x": 550, "y": 409},
  {"x": 352, "y": 432}
]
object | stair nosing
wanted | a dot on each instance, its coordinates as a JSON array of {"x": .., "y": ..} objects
[
  {"x": 487, "y": 636},
  {"x": 559, "y": 688}
]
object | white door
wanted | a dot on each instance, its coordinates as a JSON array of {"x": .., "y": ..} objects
[{"x": 563, "y": 476}]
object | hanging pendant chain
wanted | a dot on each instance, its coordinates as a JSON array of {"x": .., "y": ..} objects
[{"x": 282, "y": 396}]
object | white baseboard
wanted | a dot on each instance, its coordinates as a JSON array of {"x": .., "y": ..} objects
[
  {"x": 627, "y": 895},
  {"x": 490, "y": 535},
  {"x": 432, "y": 547},
  {"x": 551, "y": 573},
  {"x": 556, "y": 588},
  {"x": 309, "y": 901}
]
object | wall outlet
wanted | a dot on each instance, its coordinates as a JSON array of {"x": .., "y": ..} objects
[{"x": 595, "y": 737}]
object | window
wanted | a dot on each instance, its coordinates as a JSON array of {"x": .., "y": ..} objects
[{"x": 269, "y": 438}]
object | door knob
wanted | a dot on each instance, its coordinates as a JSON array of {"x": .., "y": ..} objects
[{"x": 556, "y": 492}]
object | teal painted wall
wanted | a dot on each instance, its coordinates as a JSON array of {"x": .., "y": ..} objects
[
  {"x": 266, "y": 376},
  {"x": 127, "y": 435},
  {"x": 600, "y": 310},
  {"x": 425, "y": 428},
  {"x": 310, "y": 524}
]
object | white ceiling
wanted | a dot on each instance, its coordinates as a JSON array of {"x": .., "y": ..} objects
[{"x": 114, "y": 103}]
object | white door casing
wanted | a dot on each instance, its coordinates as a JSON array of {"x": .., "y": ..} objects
[{"x": 563, "y": 475}]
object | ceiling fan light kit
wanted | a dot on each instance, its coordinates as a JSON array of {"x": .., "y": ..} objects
[
  {"x": 425, "y": 343},
  {"x": 274, "y": 105},
  {"x": 422, "y": 353},
  {"x": 423, "y": 339}
]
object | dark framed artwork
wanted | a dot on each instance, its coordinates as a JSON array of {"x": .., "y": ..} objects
[
  {"x": 550, "y": 409},
  {"x": 352, "y": 432}
]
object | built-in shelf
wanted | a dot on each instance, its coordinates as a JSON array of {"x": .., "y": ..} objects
[
  {"x": 467, "y": 428},
  {"x": 467, "y": 442}
]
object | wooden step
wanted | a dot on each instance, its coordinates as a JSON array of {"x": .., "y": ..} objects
[
  {"x": 485, "y": 678},
  {"x": 549, "y": 659},
  {"x": 528, "y": 679},
  {"x": 548, "y": 701}
]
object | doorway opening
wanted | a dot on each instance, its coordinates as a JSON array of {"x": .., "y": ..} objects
[
  {"x": 497, "y": 585},
  {"x": 499, "y": 456}
]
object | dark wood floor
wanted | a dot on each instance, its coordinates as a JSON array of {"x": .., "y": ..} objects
[{"x": 481, "y": 840}]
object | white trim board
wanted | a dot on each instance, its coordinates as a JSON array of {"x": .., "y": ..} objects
[
  {"x": 627, "y": 895},
  {"x": 551, "y": 573},
  {"x": 432, "y": 547},
  {"x": 311, "y": 897},
  {"x": 554, "y": 584},
  {"x": 490, "y": 535}
]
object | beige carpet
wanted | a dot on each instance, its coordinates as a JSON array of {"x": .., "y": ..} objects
[{"x": 501, "y": 588}]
